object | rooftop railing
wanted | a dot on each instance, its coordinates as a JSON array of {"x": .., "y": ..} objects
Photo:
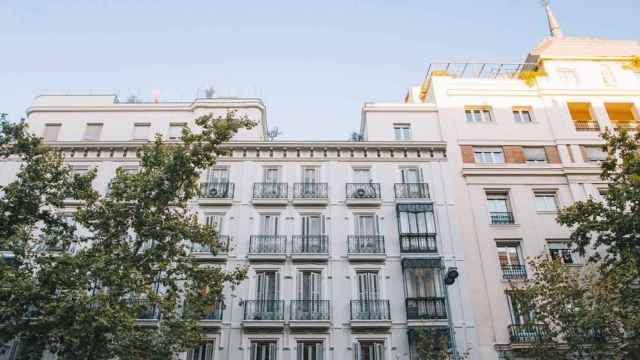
[{"x": 479, "y": 70}]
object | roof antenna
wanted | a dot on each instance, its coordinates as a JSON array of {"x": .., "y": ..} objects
[{"x": 554, "y": 26}]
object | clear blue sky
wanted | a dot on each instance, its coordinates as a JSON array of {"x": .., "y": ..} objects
[{"x": 313, "y": 62}]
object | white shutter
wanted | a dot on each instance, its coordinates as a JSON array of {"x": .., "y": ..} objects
[
  {"x": 254, "y": 351},
  {"x": 379, "y": 351},
  {"x": 51, "y": 132},
  {"x": 300, "y": 282},
  {"x": 377, "y": 228},
  {"x": 300, "y": 351},
  {"x": 272, "y": 351},
  {"x": 356, "y": 351},
  {"x": 209, "y": 349}
]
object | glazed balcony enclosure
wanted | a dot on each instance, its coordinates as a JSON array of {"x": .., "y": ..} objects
[
  {"x": 370, "y": 314},
  {"x": 426, "y": 308},
  {"x": 418, "y": 243},
  {"x": 366, "y": 247},
  {"x": 263, "y": 313}
]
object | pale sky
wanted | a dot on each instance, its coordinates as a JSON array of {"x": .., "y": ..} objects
[{"x": 314, "y": 63}]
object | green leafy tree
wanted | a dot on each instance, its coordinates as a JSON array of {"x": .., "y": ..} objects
[
  {"x": 433, "y": 344},
  {"x": 130, "y": 257}
]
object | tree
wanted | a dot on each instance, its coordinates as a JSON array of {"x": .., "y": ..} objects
[
  {"x": 130, "y": 257},
  {"x": 433, "y": 344}
]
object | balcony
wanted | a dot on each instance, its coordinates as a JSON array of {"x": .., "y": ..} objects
[
  {"x": 263, "y": 314},
  {"x": 268, "y": 247},
  {"x": 363, "y": 194},
  {"x": 310, "y": 194},
  {"x": 528, "y": 333},
  {"x": 627, "y": 125},
  {"x": 425, "y": 309},
  {"x": 366, "y": 247},
  {"x": 501, "y": 218},
  {"x": 216, "y": 193},
  {"x": 203, "y": 252},
  {"x": 147, "y": 313},
  {"x": 418, "y": 243},
  {"x": 412, "y": 191},
  {"x": 512, "y": 272},
  {"x": 587, "y": 126},
  {"x": 310, "y": 314},
  {"x": 310, "y": 247},
  {"x": 212, "y": 315},
  {"x": 370, "y": 314},
  {"x": 270, "y": 193}
]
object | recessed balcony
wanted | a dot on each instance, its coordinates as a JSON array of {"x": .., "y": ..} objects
[
  {"x": 204, "y": 253},
  {"x": 412, "y": 192},
  {"x": 270, "y": 193},
  {"x": 418, "y": 243},
  {"x": 216, "y": 193},
  {"x": 424, "y": 310},
  {"x": 310, "y": 314},
  {"x": 310, "y": 247},
  {"x": 263, "y": 314},
  {"x": 370, "y": 314},
  {"x": 363, "y": 194},
  {"x": 268, "y": 247},
  {"x": 310, "y": 194},
  {"x": 366, "y": 248}
]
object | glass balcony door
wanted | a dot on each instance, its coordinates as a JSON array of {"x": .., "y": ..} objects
[
  {"x": 218, "y": 176},
  {"x": 309, "y": 294},
  {"x": 267, "y": 294},
  {"x": 312, "y": 230}
]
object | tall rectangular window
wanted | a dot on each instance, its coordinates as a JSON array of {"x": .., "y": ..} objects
[
  {"x": 518, "y": 316},
  {"x": 263, "y": 350},
  {"x": 51, "y": 132},
  {"x": 535, "y": 155},
  {"x": 202, "y": 352},
  {"x": 269, "y": 224},
  {"x": 310, "y": 175},
  {"x": 267, "y": 285},
  {"x": 175, "y": 130},
  {"x": 546, "y": 201},
  {"x": 488, "y": 155},
  {"x": 366, "y": 225},
  {"x": 499, "y": 208},
  {"x": 271, "y": 175},
  {"x": 415, "y": 219},
  {"x": 478, "y": 114},
  {"x": 92, "y": 132},
  {"x": 309, "y": 350},
  {"x": 214, "y": 222},
  {"x": 509, "y": 254},
  {"x": 402, "y": 131},
  {"x": 368, "y": 285},
  {"x": 522, "y": 115},
  {"x": 369, "y": 350},
  {"x": 361, "y": 175},
  {"x": 423, "y": 282},
  {"x": 309, "y": 285},
  {"x": 218, "y": 175},
  {"x": 141, "y": 131}
]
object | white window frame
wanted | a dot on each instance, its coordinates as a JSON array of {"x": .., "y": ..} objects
[
  {"x": 532, "y": 155},
  {"x": 515, "y": 244},
  {"x": 564, "y": 247},
  {"x": 568, "y": 76},
  {"x": 172, "y": 127},
  {"x": 478, "y": 114},
  {"x": 146, "y": 131},
  {"x": 595, "y": 154},
  {"x": 608, "y": 78},
  {"x": 92, "y": 131},
  {"x": 254, "y": 355},
  {"x": 51, "y": 129},
  {"x": 209, "y": 349},
  {"x": 519, "y": 115},
  {"x": 488, "y": 155},
  {"x": 402, "y": 132},
  {"x": 544, "y": 200}
]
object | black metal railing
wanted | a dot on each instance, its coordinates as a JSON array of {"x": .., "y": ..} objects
[
  {"x": 268, "y": 244},
  {"x": 370, "y": 310},
  {"x": 586, "y": 125},
  {"x": 223, "y": 246},
  {"x": 501, "y": 218},
  {"x": 412, "y": 191},
  {"x": 264, "y": 310},
  {"x": 363, "y": 191},
  {"x": 211, "y": 312},
  {"x": 270, "y": 191},
  {"x": 514, "y": 271},
  {"x": 145, "y": 309},
  {"x": 310, "y": 191},
  {"x": 217, "y": 190},
  {"x": 310, "y": 244},
  {"x": 425, "y": 308},
  {"x": 418, "y": 243},
  {"x": 310, "y": 309},
  {"x": 366, "y": 244},
  {"x": 527, "y": 333}
]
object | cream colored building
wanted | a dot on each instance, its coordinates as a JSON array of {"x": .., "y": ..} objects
[{"x": 518, "y": 152}]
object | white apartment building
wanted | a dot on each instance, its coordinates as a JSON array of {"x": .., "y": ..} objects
[
  {"x": 347, "y": 242},
  {"x": 518, "y": 152}
]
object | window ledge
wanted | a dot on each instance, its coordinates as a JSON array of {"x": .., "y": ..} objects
[{"x": 547, "y": 212}]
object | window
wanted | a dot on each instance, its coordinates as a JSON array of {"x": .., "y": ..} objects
[
  {"x": 366, "y": 225},
  {"x": 416, "y": 219},
  {"x": 568, "y": 77},
  {"x": 271, "y": 175},
  {"x": 309, "y": 285},
  {"x": 546, "y": 201},
  {"x": 269, "y": 224},
  {"x": 511, "y": 260},
  {"x": 214, "y": 222},
  {"x": 564, "y": 252},
  {"x": 369, "y": 350},
  {"x": 263, "y": 350},
  {"x": 267, "y": 286},
  {"x": 622, "y": 115},
  {"x": 361, "y": 175},
  {"x": 518, "y": 316},
  {"x": 499, "y": 209},
  {"x": 402, "y": 131},
  {"x": 92, "y": 132},
  {"x": 51, "y": 132},
  {"x": 423, "y": 282},
  {"x": 310, "y": 175},
  {"x": 522, "y": 115},
  {"x": 478, "y": 115},
  {"x": 488, "y": 155},
  {"x": 202, "y": 352},
  {"x": 368, "y": 285},
  {"x": 535, "y": 155},
  {"x": 310, "y": 350},
  {"x": 218, "y": 176},
  {"x": 175, "y": 130},
  {"x": 607, "y": 75},
  {"x": 595, "y": 154},
  {"x": 130, "y": 169},
  {"x": 141, "y": 131},
  {"x": 580, "y": 112}
]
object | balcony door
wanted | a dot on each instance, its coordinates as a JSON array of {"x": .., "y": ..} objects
[
  {"x": 310, "y": 350},
  {"x": 310, "y": 175},
  {"x": 411, "y": 175},
  {"x": 366, "y": 225},
  {"x": 423, "y": 282},
  {"x": 271, "y": 175},
  {"x": 218, "y": 176},
  {"x": 369, "y": 350},
  {"x": 361, "y": 175},
  {"x": 263, "y": 350},
  {"x": 368, "y": 286},
  {"x": 312, "y": 230},
  {"x": 269, "y": 225},
  {"x": 309, "y": 293},
  {"x": 267, "y": 294}
]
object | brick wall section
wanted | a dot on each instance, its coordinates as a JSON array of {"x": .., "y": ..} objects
[
  {"x": 553, "y": 157},
  {"x": 467, "y": 154},
  {"x": 513, "y": 154}
]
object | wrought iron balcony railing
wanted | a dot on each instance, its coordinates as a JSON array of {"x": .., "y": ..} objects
[
  {"x": 310, "y": 244},
  {"x": 587, "y": 125},
  {"x": 268, "y": 244},
  {"x": 501, "y": 218},
  {"x": 217, "y": 190},
  {"x": 370, "y": 310},
  {"x": 223, "y": 248},
  {"x": 310, "y": 310},
  {"x": 264, "y": 310},
  {"x": 145, "y": 309},
  {"x": 527, "y": 333},
  {"x": 412, "y": 191},
  {"x": 366, "y": 244},
  {"x": 426, "y": 308},
  {"x": 270, "y": 191},
  {"x": 211, "y": 312},
  {"x": 310, "y": 191},
  {"x": 514, "y": 271},
  {"x": 363, "y": 191},
  {"x": 418, "y": 243}
]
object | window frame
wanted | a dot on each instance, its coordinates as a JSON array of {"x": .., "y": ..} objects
[
  {"x": 517, "y": 245},
  {"x": 489, "y": 152},
  {"x": 479, "y": 115},
  {"x": 535, "y": 161},
  {"x": 141, "y": 125},
  {"x": 563, "y": 247},
  {"x": 402, "y": 132},
  {"x": 546, "y": 194},
  {"x": 57, "y": 126},
  {"x": 519, "y": 110},
  {"x": 562, "y": 72},
  {"x": 174, "y": 125},
  {"x": 90, "y": 126}
]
